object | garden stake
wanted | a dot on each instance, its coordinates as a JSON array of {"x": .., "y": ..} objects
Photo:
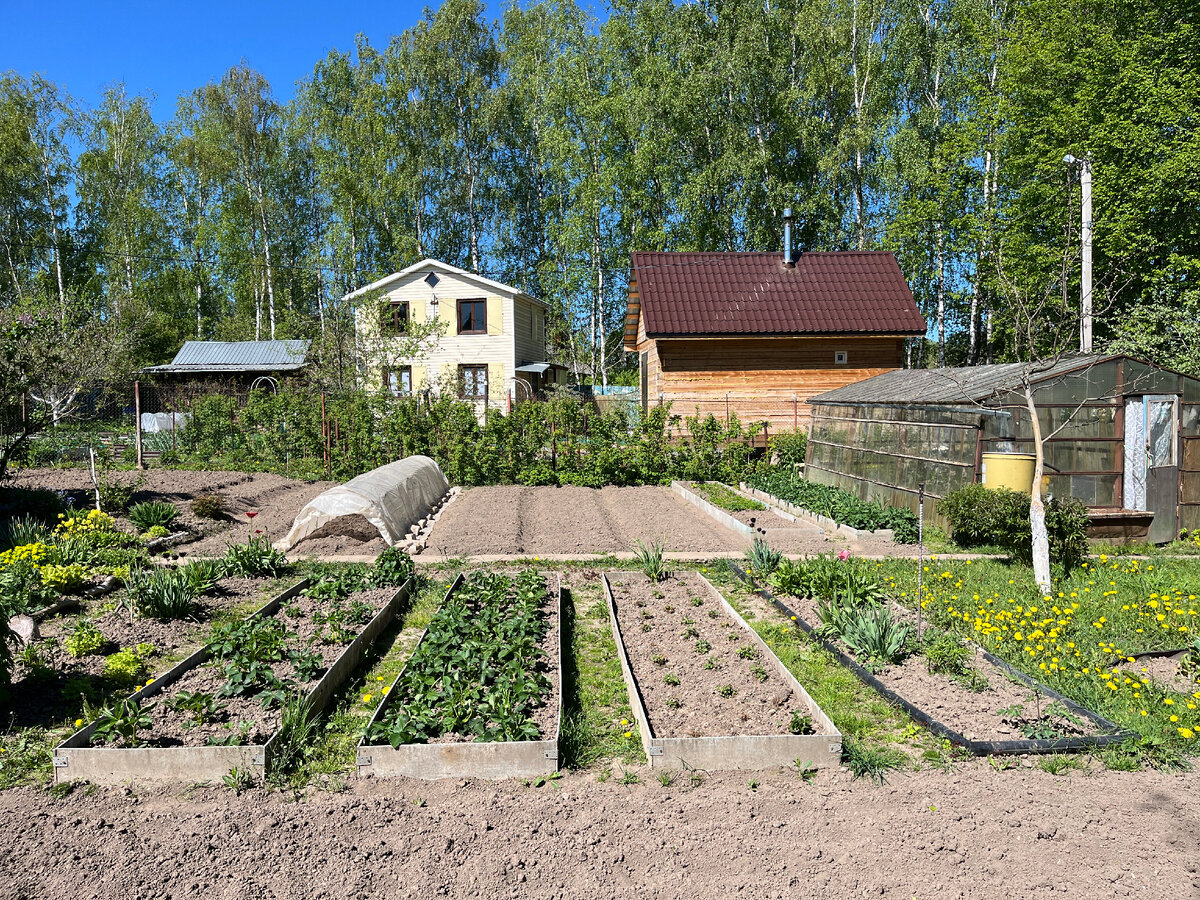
[{"x": 920, "y": 550}]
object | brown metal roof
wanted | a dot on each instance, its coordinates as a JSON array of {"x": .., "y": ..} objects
[{"x": 848, "y": 292}]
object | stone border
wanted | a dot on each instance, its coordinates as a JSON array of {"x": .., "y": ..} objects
[{"x": 713, "y": 511}]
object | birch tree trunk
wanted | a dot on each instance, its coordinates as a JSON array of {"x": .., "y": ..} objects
[{"x": 1037, "y": 508}]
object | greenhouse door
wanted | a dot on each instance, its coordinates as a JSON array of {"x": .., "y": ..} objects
[{"x": 1151, "y": 462}]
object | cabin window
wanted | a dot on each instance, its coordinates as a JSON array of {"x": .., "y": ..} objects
[
  {"x": 398, "y": 380},
  {"x": 474, "y": 382},
  {"x": 393, "y": 318},
  {"x": 472, "y": 317},
  {"x": 840, "y": 357}
]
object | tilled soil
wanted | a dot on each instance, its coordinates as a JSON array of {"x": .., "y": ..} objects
[
  {"x": 574, "y": 520},
  {"x": 695, "y": 707},
  {"x": 173, "y": 728},
  {"x": 274, "y": 498},
  {"x": 1166, "y": 670},
  {"x": 973, "y": 714},
  {"x": 38, "y": 695},
  {"x": 972, "y": 832}
]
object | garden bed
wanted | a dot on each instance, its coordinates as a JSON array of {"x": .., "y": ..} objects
[
  {"x": 706, "y": 690},
  {"x": 951, "y": 708},
  {"x": 245, "y": 734},
  {"x": 424, "y": 729},
  {"x": 753, "y": 520},
  {"x": 805, "y": 515}
]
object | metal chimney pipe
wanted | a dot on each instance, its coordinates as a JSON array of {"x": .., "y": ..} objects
[{"x": 787, "y": 238}]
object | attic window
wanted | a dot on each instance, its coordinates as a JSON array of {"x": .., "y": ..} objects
[
  {"x": 840, "y": 357},
  {"x": 432, "y": 280}
]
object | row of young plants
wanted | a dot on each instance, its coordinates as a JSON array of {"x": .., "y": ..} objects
[
  {"x": 260, "y": 668},
  {"x": 853, "y": 606},
  {"x": 480, "y": 671},
  {"x": 833, "y": 502}
]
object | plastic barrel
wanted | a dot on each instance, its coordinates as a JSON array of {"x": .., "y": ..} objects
[{"x": 1008, "y": 470}]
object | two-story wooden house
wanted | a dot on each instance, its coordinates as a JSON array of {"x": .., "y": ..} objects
[{"x": 492, "y": 343}]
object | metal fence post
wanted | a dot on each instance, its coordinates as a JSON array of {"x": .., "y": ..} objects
[
  {"x": 137, "y": 422},
  {"x": 920, "y": 551}
]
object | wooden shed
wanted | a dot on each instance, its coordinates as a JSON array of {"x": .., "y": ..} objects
[{"x": 757, "y": 334}]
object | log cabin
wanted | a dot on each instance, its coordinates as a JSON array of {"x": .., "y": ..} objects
[{"x": 756, "y": 334}]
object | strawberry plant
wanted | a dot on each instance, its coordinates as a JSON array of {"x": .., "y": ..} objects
[{"x": 479, "y": 669}]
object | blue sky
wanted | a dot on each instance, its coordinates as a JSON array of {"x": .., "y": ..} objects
[{"x": 167, "y": 48}]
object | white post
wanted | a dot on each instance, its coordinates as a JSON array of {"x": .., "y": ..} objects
[
  {"x": 1085, "y": 287},
  {"x": 920, "y": 552}
]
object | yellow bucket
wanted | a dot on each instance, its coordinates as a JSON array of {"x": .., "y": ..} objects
[{"x": 1008, "y": 470}]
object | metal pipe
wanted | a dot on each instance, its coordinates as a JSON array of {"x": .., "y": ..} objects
[{"x": 787, "y": 238}]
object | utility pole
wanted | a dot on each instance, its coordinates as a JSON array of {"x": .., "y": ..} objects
[{"x": 1085, "y": 280}]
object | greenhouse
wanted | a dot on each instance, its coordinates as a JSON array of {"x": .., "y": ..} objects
[{"x": 1121, "y": 435}]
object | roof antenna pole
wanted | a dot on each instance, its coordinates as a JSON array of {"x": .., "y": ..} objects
[{"x": 787, "y": 238}]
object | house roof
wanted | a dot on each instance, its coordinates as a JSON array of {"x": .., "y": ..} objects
[
  {"x": 951, "y": 385},
  {"x": 437, "y": 265},
  {"x": 237, "y": 356},
  {"x": 847, "y": 292}
]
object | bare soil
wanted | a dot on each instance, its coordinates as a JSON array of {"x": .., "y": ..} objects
[
  {"x": 1165, "y": 670},
  {"x": 38, "y": 694},
  {"x": 574, "y": 520},
  {"x": 274, "y": 498},
  {"x": 173, "y": 728},
  {"x": 660, "y": 626},
  {"x": 972, "y": 832},
  {"x": 973, "y": 714}
]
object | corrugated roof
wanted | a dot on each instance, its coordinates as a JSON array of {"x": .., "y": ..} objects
[
  {"x": 755, "y": 293},
  {"x": 950, "y": 385},
  {"x": 237, "y": 356}
]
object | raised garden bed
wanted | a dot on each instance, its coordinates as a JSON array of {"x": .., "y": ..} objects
[
  {"x": 950, "y": 708},
  {"x": 248, "y": 728},
  {"x": 803, "y": 515},
  {"x": 707, "y": 692},
  {"x": 436, "y": 720}
]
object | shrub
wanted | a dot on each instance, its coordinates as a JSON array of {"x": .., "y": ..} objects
[
  {"x": 85, "y": 640},
  {"x": 160, "y": 593},
  {"x": 981, "y": 516},
  {"x": 154, "y": 532},
  {"x": 21, "y": 588},
  {"x": 945, "y": 654},
  {"x": 125, "y": 667},
  {"x": 153, "y": 512},
  {"x": 63, "y": 579},
  {"x": 254, "y": 559},
  {"x": 789, "y": 448},
  {"x": 115, "y": 496},
  {"x": 209, "y": 506}
]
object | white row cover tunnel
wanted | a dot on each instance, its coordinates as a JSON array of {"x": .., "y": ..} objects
[{"x": 393, "y": 498}]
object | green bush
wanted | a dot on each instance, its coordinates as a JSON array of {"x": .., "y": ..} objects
[
  {"x": 153, "y": 512},
  {"x": 85, "y": 640},
  {"x": 208, "y": 506},
  {"x": 980, "y": 516},
  {"x": 254, "y": 559},
  {"x": 128, "y": 667},
  {"x": 63, "y": 579},
  {"x": 116, "y": 495},
  {"x": 945, "y": 654},
  {"x": 790, "y": 448},
  {"x": 393, "y": 567}
]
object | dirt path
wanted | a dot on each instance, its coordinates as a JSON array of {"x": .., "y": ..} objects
[
  {"x": 574, "y": 521},
  {"x": 973, "y": 832}
]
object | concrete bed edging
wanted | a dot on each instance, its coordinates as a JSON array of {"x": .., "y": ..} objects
[
  {"x": 713, "y": 510},
  {"x": 75, "y": 760},
  {"x": 488, "y": 759},
  {"x": 1113, "y": 733},
  {"x": 726, "y": 752},
  {"x": 802, "y": 514}
]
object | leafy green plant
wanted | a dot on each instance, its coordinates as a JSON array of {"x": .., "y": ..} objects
[
  {"x": 64, "y": 579},
  {"x": 763, "y": 558},
  {"x": 154, "y": 532},
  {"x": 479, "y": 670},
  {"x": 873, "y": 634},
  {"x": 671, "y": 679},
  {"x": 712, "y": 664},
  {"x": 85, "y": 640},
  {"x": 800, "y": 723},
  {"x": 25, "y": 530},
  {"x": 722, "y": 496},
  {"x": 871, "y": 762},
  {"x": 162, "y": 594},
  {"x": 393, "y": 567},
  {"x": 650, "y": 561},
  {"x": 946, "y": 654},
  {"x": 116, "y": 495},
  {"x": 120, "y": 724},
  {"x": 255, "y": 559},
  {"x": 726, "y": 691},
  {"x": 836, "y": 504},
  {"x": 151, "y": 513},
  {"x": 127, "y": 667},
  {"x": 1189, "y": 665},
  {"x": 208, "y": 506},
  {"x": 202, "y": 575},
  {"x": 674, "y": 703},
  {"x": 201, "y": 707},
  {"x": 238, "y": 780},
  {"x": 759, "y": 673},
  {"x": 747, "y": 651},
  {"x": 658, "y": 659},
  {"x": 702, "y": 646},
  {"x": 21, "y": 588}
]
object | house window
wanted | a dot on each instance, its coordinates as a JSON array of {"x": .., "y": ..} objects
[
  {"x": 840, "y": 357},
  {"x": 472, "y": 317},
  {"x": 393, "y": 318},
  {"x": 474, "y": 381},
  {"x": 398, "y": 380}
]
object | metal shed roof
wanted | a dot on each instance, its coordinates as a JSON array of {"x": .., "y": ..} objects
[
  {"x": 237, "y": 356},
  {"x": 951, "y": 385}
]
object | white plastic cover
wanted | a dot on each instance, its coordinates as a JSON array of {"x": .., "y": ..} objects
[
  {"x": 392, "y": 498},
  {"x": 155, "y": 423}
]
